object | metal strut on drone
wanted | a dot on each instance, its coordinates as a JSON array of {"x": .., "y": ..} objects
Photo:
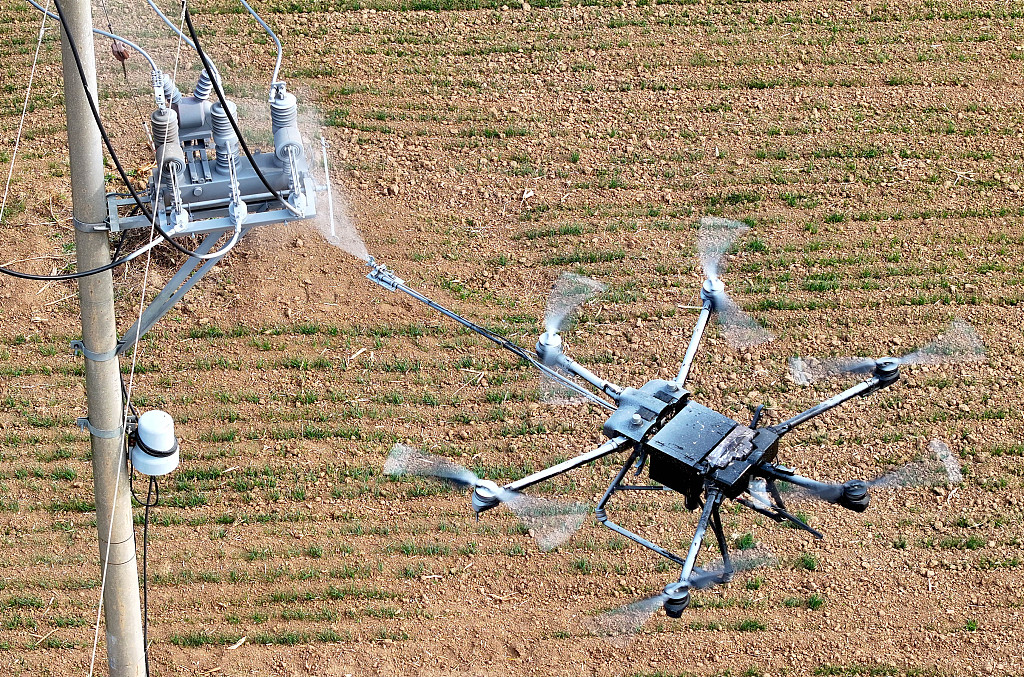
[{"x": 387, "y": 279}]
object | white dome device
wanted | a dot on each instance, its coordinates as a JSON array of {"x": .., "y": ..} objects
[{"x": 155, "y": 451}]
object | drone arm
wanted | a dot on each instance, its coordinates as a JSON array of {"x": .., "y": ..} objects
[
  {"x": 549, "y": 352},
  {"x": 861, "y": 389},
  {"x": 691, "y": 350},
  {"x": 609, "y": 447},
  {"x": 852, "y": 495},
  {"x": 605, "y": 386},
  {"x": 387, "y": 279}
]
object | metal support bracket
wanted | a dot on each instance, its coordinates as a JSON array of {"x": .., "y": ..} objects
[
  {"x": 78, "y": 348},
  {"x": 82, "y": 226},
  {"x": 84, "y": 424},
  {"x": 187, "y": 276}
]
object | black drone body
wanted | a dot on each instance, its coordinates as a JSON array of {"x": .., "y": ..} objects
[{"x": 686, "y": 447}]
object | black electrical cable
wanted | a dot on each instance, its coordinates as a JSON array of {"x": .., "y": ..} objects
[
  {"x": 67, "y": 276},
  {"x": 152, "y": 499},
  {"x": 150, "y": 491},
  {"x": 124, "y": 394},
  {"x": 227, "y": 111}
]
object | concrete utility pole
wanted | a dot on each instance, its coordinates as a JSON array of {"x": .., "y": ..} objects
[{"x": 122, "y": 613}]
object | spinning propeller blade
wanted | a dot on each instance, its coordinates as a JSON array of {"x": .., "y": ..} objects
[
  {"x": 406, "y": 460},
  {"x": 569, "y": 292},
  {"x": 940, "y": 467},
  {"x": 627, "y": 620},
  {"x": 960, "y": 343},
  {"x": 550, "y": 522},
  {"x": 624, "y": 622},
  {"x": 555, "y": 392},
  {"x": 713, "y": 241}
]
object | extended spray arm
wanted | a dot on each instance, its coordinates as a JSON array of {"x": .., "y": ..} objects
[{"x": 386, "y": 278}]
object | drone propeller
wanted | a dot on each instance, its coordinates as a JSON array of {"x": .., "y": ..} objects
[
  {"x": 960, "y": 343},
  {"x": 713, "y": 241},
  {"x": 941, "y": 467},
  {"x": 550, "y": 522},
  {"x": 627, "y": 620},
  {"x": 569, "y": 292}
]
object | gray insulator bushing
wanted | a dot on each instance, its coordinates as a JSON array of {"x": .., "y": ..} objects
[
  {"x": 284, "y": 116},
  {"x": 285, "y": 138},
  {"x": 204, "y": 86},
  {"x": 224, "y": 135},
  {"x": 171, "y": 92},
  {"x": 284, "y": 110},
  {"x": 170, "y": 157}
]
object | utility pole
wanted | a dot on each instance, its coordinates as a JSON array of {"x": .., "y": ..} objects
[{"x": 122, "y": 613}]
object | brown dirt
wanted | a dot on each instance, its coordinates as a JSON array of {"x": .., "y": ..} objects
[{"x": 876, "y": 150}]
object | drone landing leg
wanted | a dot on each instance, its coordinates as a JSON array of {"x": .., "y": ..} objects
[
  {"x": 778, "y": 514},
  {"x": 716, "y": 525},
  {"x": 602, "y": 516},
  {"x": 710, "y": 506}
]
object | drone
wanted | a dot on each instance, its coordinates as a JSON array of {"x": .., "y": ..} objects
[{"x": 686, "y": 447}]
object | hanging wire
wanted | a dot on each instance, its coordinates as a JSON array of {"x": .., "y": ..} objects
[
  {"x": 277, "y": 43},
  {"x": 154, "y": 491},
  {"x": 152, "y": 499},
  {"x": 24, "y": 112}
]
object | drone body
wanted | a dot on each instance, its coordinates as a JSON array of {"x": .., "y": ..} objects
[{"x": 686, "y": 447}]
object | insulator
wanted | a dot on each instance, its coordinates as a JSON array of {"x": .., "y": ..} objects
[
  {"x": 224, "y": 135},
  {"x": 284, "y": 116},
  {"x": 284, "y": 110},
  {"x": 171, "y": 92},
  {"x": 169, "y": 155},
  {"x": 204, "y": 86}
]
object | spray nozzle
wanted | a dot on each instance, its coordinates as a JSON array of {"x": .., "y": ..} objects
[{"x": 383, "y": 276}]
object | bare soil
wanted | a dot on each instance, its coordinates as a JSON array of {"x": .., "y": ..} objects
[{"x": 876, "y": 151}]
